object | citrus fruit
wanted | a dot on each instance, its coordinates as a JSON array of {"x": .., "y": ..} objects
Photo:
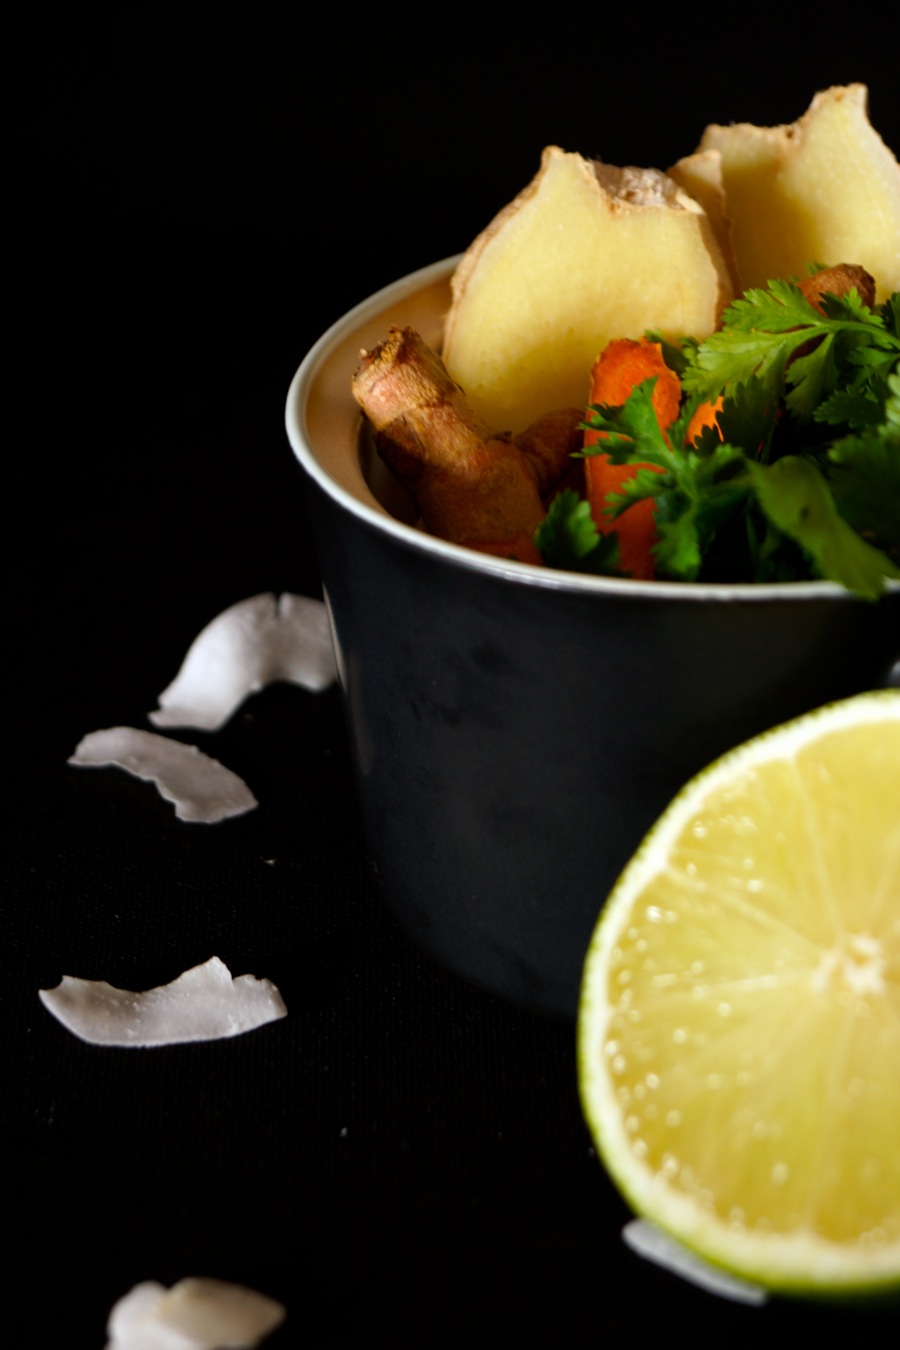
[{"x": 739, "y": 1026}]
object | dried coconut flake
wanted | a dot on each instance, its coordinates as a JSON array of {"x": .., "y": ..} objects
[
  {"x": 195, "y": 1314},
  {"x": 203, "y": 790},
  {"x": 656, "y": 1246},
  {"x": 253, "y": 643},
  {"x": 203, "y": 1004}
]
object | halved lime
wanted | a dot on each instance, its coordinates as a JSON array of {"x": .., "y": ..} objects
[{"x": 739, "y": 1029}]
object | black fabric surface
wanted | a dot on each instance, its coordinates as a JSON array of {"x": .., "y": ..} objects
[{"x": 402, "y": 1160}]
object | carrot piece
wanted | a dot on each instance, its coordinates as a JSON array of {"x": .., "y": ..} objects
[{"x": 622, "y": 364}]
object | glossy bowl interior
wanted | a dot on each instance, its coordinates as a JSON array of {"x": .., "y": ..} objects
[{"x": 516, "y": 730}]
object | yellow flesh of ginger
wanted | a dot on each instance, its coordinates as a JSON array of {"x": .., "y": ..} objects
[
  {"x": 585, "y": 254},
  {"x": 700, "y": 176},
  {"x": 826, "y": 189}
]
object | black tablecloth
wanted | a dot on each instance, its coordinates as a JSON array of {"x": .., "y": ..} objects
[{"x": 402, "y": 1160}]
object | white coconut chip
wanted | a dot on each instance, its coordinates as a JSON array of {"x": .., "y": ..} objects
[
  {"x": 195, "y": 1314},
  {"x": 253, "y": 643},
  {"x": 203, "y": 790},
  {"x": 656, "y": 1246},
  {"x": 202, "y": 1004}
]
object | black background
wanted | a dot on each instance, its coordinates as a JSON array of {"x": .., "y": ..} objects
[{"x": 196, "y": 198}]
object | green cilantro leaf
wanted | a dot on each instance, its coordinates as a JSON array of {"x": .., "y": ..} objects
[
  {"x": 694, "y": 488},
  {"x": 674, "y": 354},
  {"x": 797, "y": 500},
  {"x": 892, "y": 402},
  {"x": 800, "y": 476},
  {"x": 857, "y": 406},
  {"x": 864, "y": 474},
  {"x": 732, "y": 357},
  {"x": 763, "y": 333},
  {"x": 688, "y": 524},
  {"x": 631, "y": 431},
  {"x": 812, "y": 376},
  {"x": 569, "y": 539},
  {"x": 748, "y": 418},
  {"x": 890, "y": 313}
]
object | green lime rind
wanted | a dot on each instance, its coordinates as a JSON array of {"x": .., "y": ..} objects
[{"x": 798, "y": 1265}]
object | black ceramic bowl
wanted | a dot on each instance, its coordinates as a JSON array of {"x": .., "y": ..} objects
[{"x": 517, "y": 730}]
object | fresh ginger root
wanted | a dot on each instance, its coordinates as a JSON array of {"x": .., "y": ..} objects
[{"x": 471, "y": 486}]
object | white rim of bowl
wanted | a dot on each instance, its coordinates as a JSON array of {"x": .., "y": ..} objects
[{"x": 521, "y": 573}]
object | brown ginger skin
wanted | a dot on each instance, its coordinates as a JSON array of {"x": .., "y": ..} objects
[
  {"x": 549, "y": 444},
  {"x": 471, "y": 486},
  {"x": 839, "y": 280}
]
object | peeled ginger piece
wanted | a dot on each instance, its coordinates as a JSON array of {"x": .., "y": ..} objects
[
  {"x": 825, "y": 189},
  {"x": 585, "y": 253},
  {"x": 700, "y": 176}
]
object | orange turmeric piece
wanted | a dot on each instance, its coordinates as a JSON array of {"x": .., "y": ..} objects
[
  {"x": 622, "y": 364},
  {"x": 838, "y": 280},
  {"x": 704, "y": 415}
]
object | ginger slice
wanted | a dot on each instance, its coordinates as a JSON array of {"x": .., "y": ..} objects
[
  {"x": 822, "y": 189},
  {"x": 700, "y": 175},
  {"x": 585, "y": 253}
]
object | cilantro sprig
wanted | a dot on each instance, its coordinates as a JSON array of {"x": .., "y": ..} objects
[
  {"x": 569, "y": 539},
  {"x": 765, "y": 329},
  {"x": 801, "y": 476},
  {"x": 694, "y": 489}
]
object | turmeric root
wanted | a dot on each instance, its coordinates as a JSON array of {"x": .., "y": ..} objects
[
  {"x": 549, "y": 444},
  {"x": 623, "y": 364},
  {"x": 471, "y": 486},
  {"x": 839, "y": 280},
  {"x": 704, "y": 415}
]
